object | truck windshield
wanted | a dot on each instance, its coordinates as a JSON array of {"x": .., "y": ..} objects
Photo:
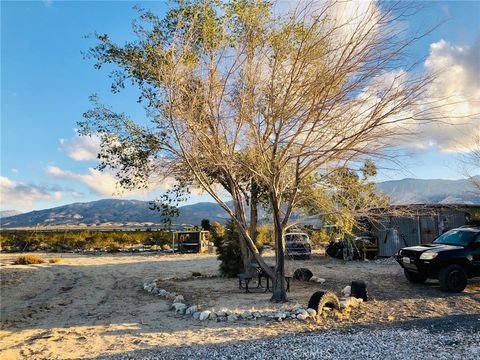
[
  {"x": 296, "y": 237},
  {"x": 456, "y": 237}
]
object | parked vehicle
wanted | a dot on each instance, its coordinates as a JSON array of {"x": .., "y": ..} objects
[
  {"x": 452, "y": 258},
  {"x": 298, "y": 245}
]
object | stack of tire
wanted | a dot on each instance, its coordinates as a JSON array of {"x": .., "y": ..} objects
[{"x": 325, "y": 299}]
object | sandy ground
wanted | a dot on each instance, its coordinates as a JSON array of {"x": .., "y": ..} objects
[{"x": 94, "y": 305}]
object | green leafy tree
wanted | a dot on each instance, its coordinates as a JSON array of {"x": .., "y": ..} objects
[
  {"x": 229, "y": 251},
  {"x": 205, "y": 224}
]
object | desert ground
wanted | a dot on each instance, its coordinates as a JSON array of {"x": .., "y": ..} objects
[{"x": 93, "y": 306}]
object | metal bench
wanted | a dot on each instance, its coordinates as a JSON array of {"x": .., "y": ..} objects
[{"x": 243, "y": 281}]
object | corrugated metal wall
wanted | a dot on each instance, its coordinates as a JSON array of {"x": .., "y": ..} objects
[{"x": 393, "y": 233}]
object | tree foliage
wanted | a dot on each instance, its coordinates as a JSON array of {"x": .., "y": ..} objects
[{"x": 261, "y": 105}]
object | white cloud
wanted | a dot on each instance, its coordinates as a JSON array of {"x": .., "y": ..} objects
[
  {"x": 105, "y": 183},
  {"x": 457, "y": 90},
  {"x": 22, "y": 196},
  {"x": 100, "y": 183},
  {"x": 81, "y": 147}
]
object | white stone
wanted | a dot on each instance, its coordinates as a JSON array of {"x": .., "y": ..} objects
[
  {"x": 321, "y": 280},
  {"x": 191, "y": 310},
  {"x": 304, "y": 313},
  {"x": 232, "y": 317},
  {"x": 162, "y": 293},
  {"x": 196, "y": 315},
  {"x": 178, "y": 305},
  {"x": 314, "y": 279},
  {"x": 302, "y": 316},
  {"x": 346, "y": 291},
  {"x": 280, "y": 315},
  {"x": 257, "y": 314},
  {"x": 204, "y": 315},
  {"x": 312, "y": 312},
  {"x": 246, "y": 314},
  {"x": 181, "y": 310},
  {"x": 178, "y": 298},
  {"x": 221, "y": 312}
]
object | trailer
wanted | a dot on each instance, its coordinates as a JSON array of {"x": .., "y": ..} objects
[{"x": 193, "y": 241}]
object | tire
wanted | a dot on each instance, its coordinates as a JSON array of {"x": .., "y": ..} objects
[
  {"x": 302, "y": 274},
  {"x": 359, "y": 290},
  {"x": 453, "y": 278},
  {"x": 322, "y": 299},
  {"x": 415, "y": 278}
]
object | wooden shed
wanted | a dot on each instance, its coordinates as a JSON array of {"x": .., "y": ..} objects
[{"x": 193, "y": 241}]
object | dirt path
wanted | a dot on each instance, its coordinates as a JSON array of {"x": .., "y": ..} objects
[{"x": 89, "y": 306}]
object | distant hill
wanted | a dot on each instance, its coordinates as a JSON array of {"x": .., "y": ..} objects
[
  {"x": 7, "y": 213},
  {"x": 134, "y": 213},
  {"x": 436, "y": 191},
  {"x": 113, "y": 213}
]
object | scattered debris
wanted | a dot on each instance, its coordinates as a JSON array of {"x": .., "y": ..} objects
[
  {"x": 346, "y": 291},
  {"x": 316, "y": 279}
]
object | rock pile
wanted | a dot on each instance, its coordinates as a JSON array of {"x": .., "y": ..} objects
[{"x": 182, "y": 308}]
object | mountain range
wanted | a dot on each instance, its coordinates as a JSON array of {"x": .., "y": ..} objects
[
  {"x": 7, "y": 213},
  {"x": 114, "y": 213},
  {"x": 418, "y": 191}
]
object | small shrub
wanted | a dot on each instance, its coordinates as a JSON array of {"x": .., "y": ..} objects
[
  {"x": 113, "y": 247},
  {"x": 229, "y": 252},
  {"x": 165, "y": 247},
  {"x": 196, "y": 274},
  {"x": 28, "y": 260},
  {"x": 54, "y": 260}
]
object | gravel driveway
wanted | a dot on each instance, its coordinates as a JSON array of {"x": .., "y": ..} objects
[{"x": 457, "y": 338}]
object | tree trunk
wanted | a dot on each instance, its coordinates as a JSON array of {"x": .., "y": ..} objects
[
  {"x": 246, "y": 255},
  {"x": 253, "y": 217},
  {"x": 279, "y": 291}
]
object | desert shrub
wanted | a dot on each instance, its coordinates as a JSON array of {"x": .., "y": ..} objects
[
  {"x": 229, "y": 251},
  {"x": 166, "y": 247},
  {"x": 61, "y": 240},
  {"x": 113, "y": 247},
  {"x": 264, "y": 236},
  {"x": 54, "y": 260},
  {"x": 28, "y": 260}
]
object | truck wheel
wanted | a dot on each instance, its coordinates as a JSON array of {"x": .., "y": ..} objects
[
  {"x": 453, "y": 278},
  {"x": 414, "y": 277},
  {"x": 322, "y": 299}
]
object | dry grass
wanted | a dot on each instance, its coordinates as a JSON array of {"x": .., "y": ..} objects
[
  {"x": 54, "y": 260},
  {"x": 28, "y": 260}
]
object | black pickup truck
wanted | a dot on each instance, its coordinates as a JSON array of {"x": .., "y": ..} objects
[{"x": 452, "y": 258}]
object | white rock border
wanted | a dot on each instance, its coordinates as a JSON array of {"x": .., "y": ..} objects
[{"x": 180, "y": 307}]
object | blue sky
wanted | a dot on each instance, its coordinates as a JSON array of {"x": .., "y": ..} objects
[{"x": 45, "y": 84}]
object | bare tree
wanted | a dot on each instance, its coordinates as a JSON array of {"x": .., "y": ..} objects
[
  {"x": 245, "y": 102},
  {"x": 471, "y": 163}
]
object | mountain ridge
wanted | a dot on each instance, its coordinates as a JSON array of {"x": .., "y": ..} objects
[{"x": 120, "y": 213}]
